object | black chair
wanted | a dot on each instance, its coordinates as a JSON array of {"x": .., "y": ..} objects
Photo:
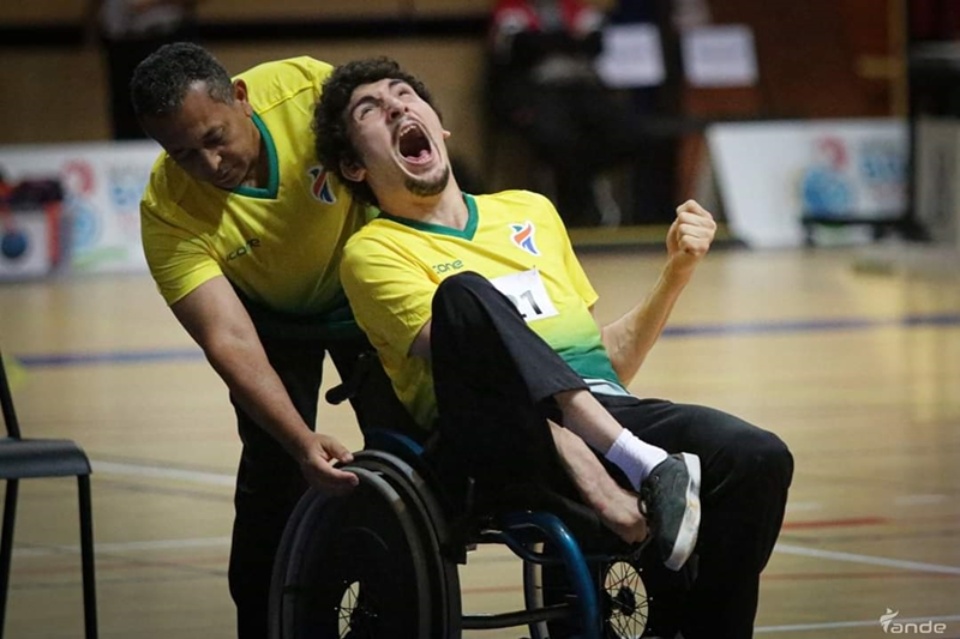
[{"x": 28, "y": 458}]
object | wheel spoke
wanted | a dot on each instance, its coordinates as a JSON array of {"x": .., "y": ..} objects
[{"x": 627, "y": 601}]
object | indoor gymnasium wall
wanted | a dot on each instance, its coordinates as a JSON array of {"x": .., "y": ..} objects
[{"x": 54, "y": 86}]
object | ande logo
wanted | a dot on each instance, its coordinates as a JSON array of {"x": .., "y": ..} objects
[{"x": 893, "y": 626}]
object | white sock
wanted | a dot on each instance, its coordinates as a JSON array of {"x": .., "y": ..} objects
[{"x": 634, "y": 457}]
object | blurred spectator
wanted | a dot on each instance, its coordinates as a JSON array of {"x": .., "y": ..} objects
[
  {"x": 933, "y": 20},
  {"x": 129, "y": 31},
  {"x": 544, "y": 85}
]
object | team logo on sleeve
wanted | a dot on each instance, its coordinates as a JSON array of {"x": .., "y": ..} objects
[
  {"x": 523, "y": 237},
  {"x": 321, "y": 188}
]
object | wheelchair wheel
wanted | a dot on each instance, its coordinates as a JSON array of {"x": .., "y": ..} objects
[
  {"x": 443, "y": 574},
  {"x": 623, "y": 599},
  {"x": 352, "y": 566}
]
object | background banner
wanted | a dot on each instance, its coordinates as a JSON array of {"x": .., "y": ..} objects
[
  {"x": 102, "y": 185},
  {"x": 772, "y": 173}
]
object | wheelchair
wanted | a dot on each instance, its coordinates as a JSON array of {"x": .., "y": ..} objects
[{"x": 383, "y": 561}]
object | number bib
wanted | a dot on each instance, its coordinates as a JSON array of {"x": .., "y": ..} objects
[{"x": 528, "y": 294}]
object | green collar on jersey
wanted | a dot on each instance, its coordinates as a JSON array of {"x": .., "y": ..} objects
[
  {"x": 273, "y": 182},
  {"x": 467, "y": 233}
]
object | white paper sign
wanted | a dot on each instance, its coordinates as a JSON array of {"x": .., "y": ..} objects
[
  {"x": 722, "y": 56},
  {"x": 773, "y": 173},
  {"x": 528, "y": 294},
  {"x": 632, "y": 56}
]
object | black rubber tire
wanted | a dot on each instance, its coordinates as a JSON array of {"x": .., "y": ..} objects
[
  {"x": 442, "y": 571},
  {"x": 352, "y": 566}
]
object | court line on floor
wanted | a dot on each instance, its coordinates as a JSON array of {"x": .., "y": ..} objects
[
  {"x": 814, "y": 325},
  {"x": 204, "y": 542},
  {"x": 804, "y": 506},
  {"x": 129, "y": 546},
  {"x": 705, "y": 330},
  {"x": 836, "y": 523},
  {"x": 158, "y": 472},
  {"x": 803, "y": 551},
  {"x": 109, "y": 357},
  {"x": 223, "y": 542}
]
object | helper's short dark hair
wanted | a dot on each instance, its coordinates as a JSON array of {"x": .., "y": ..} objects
[
  {"x": 333, "y": 144},
  {"x": 161, "y": 81}
]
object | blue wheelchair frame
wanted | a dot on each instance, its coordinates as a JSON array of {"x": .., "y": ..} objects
[{"x": 519, "y": 530}]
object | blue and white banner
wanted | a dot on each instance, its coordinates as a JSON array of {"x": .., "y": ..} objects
[
  {"x": 771, "y": 174},
  {"x": 103, "y": 183}
]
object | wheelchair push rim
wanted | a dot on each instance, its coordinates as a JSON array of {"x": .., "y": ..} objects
[{"x": 351, "y": 566}]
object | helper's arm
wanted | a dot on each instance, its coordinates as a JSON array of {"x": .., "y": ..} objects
[{"x": 217, "y": 320}]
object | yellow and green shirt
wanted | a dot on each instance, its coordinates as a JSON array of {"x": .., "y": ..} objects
[
  {"x": 281, "y": 245},
  {"x": 392, "y": 267}
]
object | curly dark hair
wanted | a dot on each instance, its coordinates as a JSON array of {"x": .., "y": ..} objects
[
  {"x": 333, "y": 145},
  {"x": 161, "y": 81}
]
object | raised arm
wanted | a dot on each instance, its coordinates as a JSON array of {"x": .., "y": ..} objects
[
  {"x": 216, "y": 319},
  {"x": 630, "y": 338}
]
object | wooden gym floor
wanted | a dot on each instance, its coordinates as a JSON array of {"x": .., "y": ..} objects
[{"x": 851, "y": 355}]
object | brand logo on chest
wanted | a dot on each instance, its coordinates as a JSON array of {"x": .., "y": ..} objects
[
  {"x": 243, "y": 249},
  {"x": 320, "y": 188},
  {"x": 522, "y": 236},
  {"x": 447, "y": 267}
]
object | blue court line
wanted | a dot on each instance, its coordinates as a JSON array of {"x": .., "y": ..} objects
[
  {"x": 813, "y": 326},
  {"x": 108, "y": 357},
  {"x": 707, "y": 330}
]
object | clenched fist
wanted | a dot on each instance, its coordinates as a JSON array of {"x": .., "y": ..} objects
[{"x": 690, "y": 235}]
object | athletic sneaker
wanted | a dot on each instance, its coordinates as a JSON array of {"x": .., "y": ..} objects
[{"x": 670, "y": 498}]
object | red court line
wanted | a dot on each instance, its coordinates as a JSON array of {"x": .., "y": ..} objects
[{"x": 837, "y": 523}]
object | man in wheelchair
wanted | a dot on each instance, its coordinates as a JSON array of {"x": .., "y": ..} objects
[{"x": 481, "y": 315}]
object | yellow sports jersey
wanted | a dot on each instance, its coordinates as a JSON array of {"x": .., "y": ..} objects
[
  {"x": 281, "y": 245},
  {"x": 392, "y": 267}
]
